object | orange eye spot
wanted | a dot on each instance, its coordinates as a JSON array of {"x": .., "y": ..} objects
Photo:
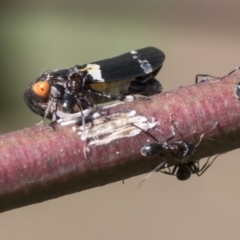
[{"x": 41, "y": 89}]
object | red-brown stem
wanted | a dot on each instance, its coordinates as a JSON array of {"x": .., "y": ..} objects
[{"x": 39, "y": 164}]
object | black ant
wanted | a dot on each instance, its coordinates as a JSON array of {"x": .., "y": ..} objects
[
  {"x": 207, "y": 78},
  {"x": 181, "y": 150}
]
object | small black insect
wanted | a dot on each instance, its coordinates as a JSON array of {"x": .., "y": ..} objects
[
  {"x": 200, "y": 78},
  {"x": 74, "y": 89},
  {"x": 207, "y": 78},
  {"x": 181, "y": 150}
]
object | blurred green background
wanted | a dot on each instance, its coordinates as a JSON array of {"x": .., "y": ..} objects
[{"x": 197, "y": 37}]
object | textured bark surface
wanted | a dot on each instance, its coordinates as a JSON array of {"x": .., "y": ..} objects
[{"x": 39, "y": 164}]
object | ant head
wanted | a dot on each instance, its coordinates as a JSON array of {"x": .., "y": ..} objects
[{"x": 183, "y": 172}]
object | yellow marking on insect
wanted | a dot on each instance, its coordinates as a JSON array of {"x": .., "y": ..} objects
[
  {"x": 100, "y": 86},
  {"x": 114, "y": 87}
]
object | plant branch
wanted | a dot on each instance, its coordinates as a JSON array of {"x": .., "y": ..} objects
[{"x": 38, "y": 164}]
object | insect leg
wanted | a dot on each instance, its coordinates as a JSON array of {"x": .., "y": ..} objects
[
  {"x": 206, "y": 78},
  {"x": 170, "y": 172},
  {"x": 120, "y": 97},
  {"x": 201, "y": 171},
  {"x": 150, "y": 173},
  {"x": 202, "y": 135}
]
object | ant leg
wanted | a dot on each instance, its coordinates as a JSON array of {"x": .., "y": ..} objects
[
  {"x": 171, "y": 137},
  {"x": 202, "y": 135},
  {"x": 234, "y": 70},
  {"x": 150, "y": 174},
  {"x": 195, "y": 167},
  {"x": 169, "y": 170},
  {"x": 206, "y": 78},
  {"x": 150, "y": 135},
  {"x": 174, "y": 127},
  {"x": 201, "y": 171}
]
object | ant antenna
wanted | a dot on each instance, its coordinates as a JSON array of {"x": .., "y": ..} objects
[{"x": 153, "y": 171}]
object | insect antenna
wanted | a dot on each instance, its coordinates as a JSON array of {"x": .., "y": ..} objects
[{"x": 153, "y": 171}]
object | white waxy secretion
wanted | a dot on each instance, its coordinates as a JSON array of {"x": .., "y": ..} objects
[
  {"x": 144, "y": 64},
  {"x": 119, "y": 125},
  {"x": 95, "y": 71}
]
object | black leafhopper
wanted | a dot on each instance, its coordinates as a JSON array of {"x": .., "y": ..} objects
[{"x": 81, "y": 87}]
